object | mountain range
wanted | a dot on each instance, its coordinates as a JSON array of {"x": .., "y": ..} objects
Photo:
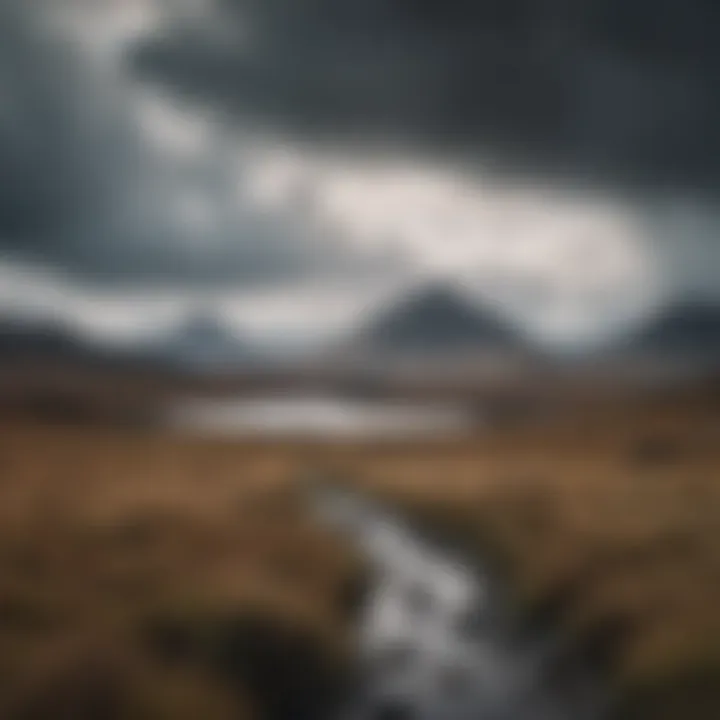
[
  {"x": 46, "y": 340},
  {"x": 433, "y": 320}
]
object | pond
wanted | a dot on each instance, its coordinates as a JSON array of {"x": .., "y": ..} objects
[{"x": 325, "y": 417}]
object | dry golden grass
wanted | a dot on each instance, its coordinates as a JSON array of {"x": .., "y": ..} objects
[{"x": 152, "y": 577}]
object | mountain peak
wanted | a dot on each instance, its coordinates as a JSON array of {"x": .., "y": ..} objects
[
  {"x": 437, "y": 317},
  {"x": 686, "y": 327},
  {"x": 202, "y": 340}
]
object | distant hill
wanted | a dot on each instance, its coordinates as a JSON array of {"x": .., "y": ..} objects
[
  {"x": 198, "y": 342},
  {"x": 438, "y": 319},
  {"x": 53, "y": 342},
  {"x": 25, "y": 338},
  {"x": 202, "y": 342},
  {"x": 689, "y": 329}
]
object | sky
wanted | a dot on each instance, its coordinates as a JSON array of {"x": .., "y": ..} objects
[{"x": 293, "y": 164}]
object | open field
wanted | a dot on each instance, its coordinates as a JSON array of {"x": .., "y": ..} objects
[{"x": 149, "y": 576}]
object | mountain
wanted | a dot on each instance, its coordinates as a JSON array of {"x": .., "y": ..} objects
[
  {"x": 53, "y": 342},
  {"x": 37, "y": 339},
  {"x": 202, "y": 342},
  {"x": 438, "y": 319},
  {"x": 689, "y": 329},
  {"x": 199, "y": 342}
]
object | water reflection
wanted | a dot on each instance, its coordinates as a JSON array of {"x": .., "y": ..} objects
[{"x": 321, "y": 416}]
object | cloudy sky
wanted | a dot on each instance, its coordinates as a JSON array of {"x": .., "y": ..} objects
[{"x": 296, "y": 162}]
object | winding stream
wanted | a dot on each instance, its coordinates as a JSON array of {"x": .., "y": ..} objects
[{"x": 437, "y": 643}]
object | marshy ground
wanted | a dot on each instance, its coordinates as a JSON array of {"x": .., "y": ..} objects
[{"x": 144, "y": 575}]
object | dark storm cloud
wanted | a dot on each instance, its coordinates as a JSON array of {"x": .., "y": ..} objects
[
  {"x": 83, "y": 189},
  {"x": 56, "y": 142},
  {"x": 619, "y": 90}
]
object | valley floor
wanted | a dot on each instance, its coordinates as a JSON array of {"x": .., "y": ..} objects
[{"x": 154, "y": 576}]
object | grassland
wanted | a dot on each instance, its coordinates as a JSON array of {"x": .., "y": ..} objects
[{"x": 146, "y": 576}]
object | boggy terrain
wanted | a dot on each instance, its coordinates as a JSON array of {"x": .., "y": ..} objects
[{"x": 144, "y": 575}]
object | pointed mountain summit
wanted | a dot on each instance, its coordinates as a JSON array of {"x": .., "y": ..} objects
[
  {"x": 435, "y": 319},
  {"x": 201, "y": 340},
  {"x": 689, "y": 328}
]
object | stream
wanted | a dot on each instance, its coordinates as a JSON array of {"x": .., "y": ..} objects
[{"x": 436, "y": 639}]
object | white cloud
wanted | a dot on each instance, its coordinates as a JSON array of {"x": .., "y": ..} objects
[
  {"x": 568, "y": 265},
  {"x": 307, "y": 311},
  {"x": 587, "y": 259},
  {"x": 302, "y": 312},
  {"x": 177, "y": 131},
  {"x": 104, "y": 27}
]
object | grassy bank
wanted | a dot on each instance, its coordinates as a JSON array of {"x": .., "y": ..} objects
[{"x": 143, "y": 576}]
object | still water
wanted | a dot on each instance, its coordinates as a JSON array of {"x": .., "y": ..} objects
[{"x": 325, "y": 417}]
